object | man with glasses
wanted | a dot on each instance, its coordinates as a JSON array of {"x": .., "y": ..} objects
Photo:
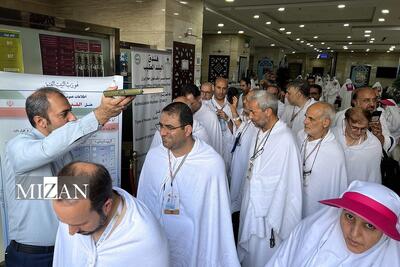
[
  {"x": 271, "y": 204},
  {"x": 365, "y": 98},
  {"x": 183, "y": 182},
  {"x": 207, "y": 91},
  {"x": 362, "y": 149}
]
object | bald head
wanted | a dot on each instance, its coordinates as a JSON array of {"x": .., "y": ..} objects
[{"x": 319, "y": 117}]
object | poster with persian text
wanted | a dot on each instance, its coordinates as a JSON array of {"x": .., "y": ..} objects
[
  {"x": 150, "y": 68},
  {"x": 84, "y": 95},
  {"x": 11, "y": 51}
]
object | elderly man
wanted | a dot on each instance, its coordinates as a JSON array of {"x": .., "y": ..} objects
[
  {"x": 109, "y": 228},
  {"x": 271, "y": 205},
  {"x": 363, "y": 151},
  {"x": 203, "y": 114},
  {"x": 184, "y": 184},
  {"x": 298, "y": 97},
  {"x": 362, "y": 232},
  {"x": 43, "y": 152},
  {"x": 207, "y": 91},
  {"x": 365, "y": 98},
  {"x": 322, "y": 176}
]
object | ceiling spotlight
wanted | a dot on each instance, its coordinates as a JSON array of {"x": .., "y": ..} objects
[
  {"x": 240, "y": 32},
  {"x": 391, "y": 49},
  {"x": 311, "y": 45},
  {"x": 302, "y": 41},
  {"x": 322, "y": 43},
  {"x": 301, "y": 25},
  {"x": 308, "y": 44},
  {"x": 352, "y": 51},
  {"x": 328, "y": 47},
  {"x": 367, "y": 35},
  {"x": 346, "y": 25},
  {"x": 385, "y": 11},
  {"x": 315, "y": 37},
  {"x": 350, "y": 43},
  {"x": 297, "y": 39},
  {"x": 293, "y": 52},
  {"x": 393, "y": 46},
  {"x": 272, "y": 44},
  {"x": 183, "y": 2},
  {"x": 220, "y": 25},
  {"x": 341, "y": 6},
  {"x": 371, "y": 42},
  {"x": 268, "y": 22},
  {"x": 256, "y": 16},
  {"x": 282, "y": 29},
  {"x": 219, "y": 32},
  {"x": 281, "y": 9},
  {"x": 332, "y": 51},
  {"x": 388, "y": 51},
  {"x": 367, "y": 31},
  {"x": 229, "y": 1},
  {"x": 348, "y": 37},
  {"x": 288, "y": 33},
  {"x": 373, "y": 39},
  {"x": 345, "y": 47},
  {"x": 176, "y": 14},
  {"x": 381, "y": 19},
  {"x": 367, "y": 50}
]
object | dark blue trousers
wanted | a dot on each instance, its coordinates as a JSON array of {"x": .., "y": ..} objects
[{"x": 15, "y": 258}]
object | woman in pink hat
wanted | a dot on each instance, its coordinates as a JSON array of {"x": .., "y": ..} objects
[{"x": 363, "y": 229}]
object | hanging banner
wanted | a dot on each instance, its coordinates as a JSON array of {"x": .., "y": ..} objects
[
  {"x": 84, "y": 94},
  {"x": 11, "y": 58},
  {"x": 150, "y": 68}
]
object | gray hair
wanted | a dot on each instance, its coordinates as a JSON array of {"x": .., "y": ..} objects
[
  {"x": 37, "y": 103},
  {"x": 327, "y": 111},
  {"x": 264, "y": 100}
]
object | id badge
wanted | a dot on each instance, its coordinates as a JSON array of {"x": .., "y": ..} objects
[
  {"x": 171, "y": 200},
  {"x": 249, "y": 170}
]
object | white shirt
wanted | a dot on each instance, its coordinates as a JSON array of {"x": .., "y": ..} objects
[
  {"x": 328, "y": 178},
  {"x": 201, "y": 234},
  {"x": 136, "y": 239}
]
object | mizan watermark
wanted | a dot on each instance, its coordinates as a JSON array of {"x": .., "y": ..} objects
[{"x": 37, "y": 188}]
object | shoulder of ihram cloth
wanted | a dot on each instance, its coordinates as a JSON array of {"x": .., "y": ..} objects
[{"x": 206, "y": 158}]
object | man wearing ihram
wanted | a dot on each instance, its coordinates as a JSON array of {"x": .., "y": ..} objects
[
  {"x": 108, "y": 228},
  {"x": 32, "y": 224}
]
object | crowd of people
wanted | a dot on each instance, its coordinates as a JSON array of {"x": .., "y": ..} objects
[{"x": 260, "y": 176}]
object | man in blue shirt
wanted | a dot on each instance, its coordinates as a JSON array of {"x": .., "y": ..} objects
[{"x": 32, "y": 224}]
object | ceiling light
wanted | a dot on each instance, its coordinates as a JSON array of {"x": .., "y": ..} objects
[
  {"x": 297, "y": 39},
  {"x": 293, "y": 52},
  {"x": 332, "y": 51},
  {"x": 352, "y": 51},
  {"x": 373, "y": 39},
  {"x": 272, "y": 44},
  {"x": 350, "y": 43},
  {"x": 229, "y": 1},
  {"x": 367, "y": 50},
  {"x": 345, "y": 47},
  {"x": 183, "y": 2},
  {"x": 371, "y": 42},
  {"x": 367, "y": 31},
  {"x": 322, "y": 43},
  {"x": 281, "y": 9},
  {"x": 268, "y": 22},
  {"x": 348, "y": 37},
  {"x": 282, "y": 29},
  {"x": 220, "y": 25},
  {"x": 288, "y": 33},
  {"x": 308, "y": 43},
  {"x": 315, "y": 37},
  {"x": 163, "y": 10},
  {"x": 256, "y": 16},
  {"x": 393, "y": 46},
  {"x": 385, "y": 11},
  {"x": 367, "y": 35},
  {"x": 388, "y": 51},
  {"x": 381, "y": 19},
  {"x": 219, "y": 32},
  {"x": 328, "y": 47},
  {"x": 301, "y": 25},
  {"x": 391, "y": 49},
  {"x": 240, "y": 32},
  {"x": 311, "y": 45},
  {"x": 302, "y": 41},
  {"x": 341, "y": 6},
  {"x": 346, "y": 25},
  {"x": 176, "y": 14}
]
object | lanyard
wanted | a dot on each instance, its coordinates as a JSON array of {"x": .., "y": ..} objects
[
  {"x": 171, "y": 173},
  {"x": 110, "y": 225},
  {"x": 294, "y": 115},
  {"x": 258, "y": 150},
  {"x": 215, "y": 104},
  {"x": 239, "y": 136},
  {"x": 305, "y": 156}
]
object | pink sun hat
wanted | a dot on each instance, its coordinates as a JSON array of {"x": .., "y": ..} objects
[{"x": 373, "y": 202}]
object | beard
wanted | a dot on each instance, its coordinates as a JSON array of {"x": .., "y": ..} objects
[{"x": 101, "y": 223}]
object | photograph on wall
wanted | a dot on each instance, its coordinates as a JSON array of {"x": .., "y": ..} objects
[{"x": 360, "y": 75}]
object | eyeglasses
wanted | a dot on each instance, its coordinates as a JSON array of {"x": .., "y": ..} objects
[{"x": 160, "y": 126}]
